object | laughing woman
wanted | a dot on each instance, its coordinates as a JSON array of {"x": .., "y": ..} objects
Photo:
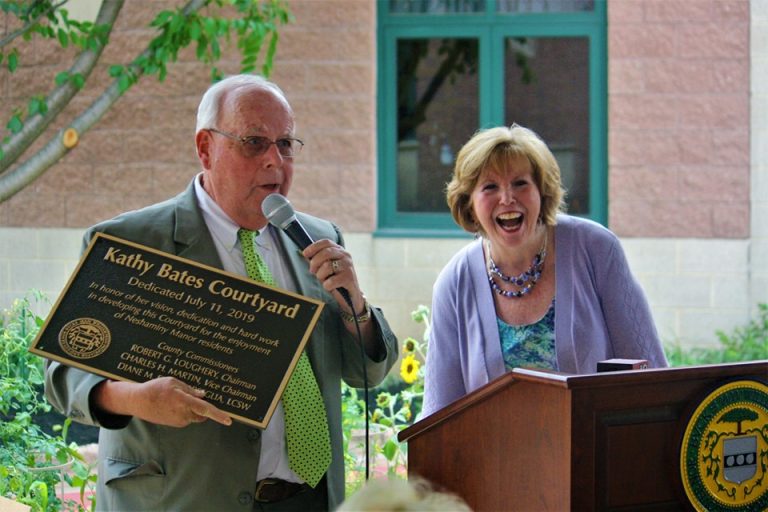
[{"x": 537, "y": 287}]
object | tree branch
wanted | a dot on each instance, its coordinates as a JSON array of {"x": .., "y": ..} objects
[
  {"x": 16, "y": 179},
  {"x": 26, "y": 28},
  {"x": 60, "y": 97}
]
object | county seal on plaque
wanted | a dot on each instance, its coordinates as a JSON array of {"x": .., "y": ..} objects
[
  {"x": 84, "y": 338},
  {"x": 724, "y": 453}
]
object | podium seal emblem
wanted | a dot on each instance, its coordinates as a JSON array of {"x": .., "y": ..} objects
[
  {"x": 84, "y": 338},
  {"x": 724, "y": 453}
]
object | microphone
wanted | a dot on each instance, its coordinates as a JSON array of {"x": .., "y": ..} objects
[{"x": 279, "y": 212}]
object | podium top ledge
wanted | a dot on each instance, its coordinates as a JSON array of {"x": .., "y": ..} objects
[{"x": 574, "y": 383}]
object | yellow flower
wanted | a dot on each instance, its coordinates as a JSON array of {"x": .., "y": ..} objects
[
  {"x": 409, "y": 369},
  {"x": 409, "y": 345}
]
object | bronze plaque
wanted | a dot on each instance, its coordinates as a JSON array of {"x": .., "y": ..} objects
[{"x": 132, "y": 313}]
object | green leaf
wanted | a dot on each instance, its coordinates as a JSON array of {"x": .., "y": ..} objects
[
  {"x": 115, "y": 70},
  {"x": 78, "y": 80},
  {"x": 33, "y": 107},
  {"x": 202, "y": 45},
  {"x": 209, "y": 26},
  {"x": 161, "y": 54},
  {"x": 161, "y": 19},
  {"x": 63, "y": 38},
  {"x": 390, "y": 449},
  {"x": 176, "y": 22},
  {"x": 62, "y": 77},
  {"x": 13, "y": 61},
  {"x": 124, "y": 83},
  {"x": 15, "y": 124},
  {"x": 195, "y": 31}
]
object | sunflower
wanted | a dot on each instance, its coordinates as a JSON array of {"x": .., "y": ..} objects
[
  {"x": 383, "y": 399},
  {"x": 409, "y": 369},
  {"x": 409, "y": 345}
]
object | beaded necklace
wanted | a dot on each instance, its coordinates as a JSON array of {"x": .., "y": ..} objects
[{"x": 525, "y": 280}]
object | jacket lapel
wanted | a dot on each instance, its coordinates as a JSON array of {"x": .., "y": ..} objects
[
  {"x": 306, "y": 283},
  {"x": 191, "y": 235}
]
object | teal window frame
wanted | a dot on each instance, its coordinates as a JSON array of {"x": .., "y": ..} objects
[{"x": 491, "y": 30}]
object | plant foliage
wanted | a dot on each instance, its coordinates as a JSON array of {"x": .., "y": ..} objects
[
  {"x": 397, "y": 404},
  {"x": 745, "y": 343},
  {"x": 32, "y": 462}
]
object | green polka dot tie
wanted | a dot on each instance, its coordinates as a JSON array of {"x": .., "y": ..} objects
[{"x": 306, "y": 426}]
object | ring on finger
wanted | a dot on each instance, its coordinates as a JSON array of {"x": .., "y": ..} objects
[{"x": 335, "y": 266}]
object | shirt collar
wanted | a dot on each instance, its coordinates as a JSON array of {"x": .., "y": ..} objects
[{"x": 221, "y": 226}]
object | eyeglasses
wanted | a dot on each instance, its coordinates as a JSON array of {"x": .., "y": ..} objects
[{"x": 255, "y": 145}]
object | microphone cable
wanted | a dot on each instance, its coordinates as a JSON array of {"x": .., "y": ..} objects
[{"x": 348, "y": 300}]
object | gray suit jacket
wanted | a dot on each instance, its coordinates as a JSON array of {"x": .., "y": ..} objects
[{"x": 206, "y": 466}]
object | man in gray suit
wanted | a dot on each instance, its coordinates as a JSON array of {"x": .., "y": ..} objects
[{"x": 161, "y": 445}]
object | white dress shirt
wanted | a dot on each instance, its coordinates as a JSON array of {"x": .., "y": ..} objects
[{"x": 273, "y": 460}]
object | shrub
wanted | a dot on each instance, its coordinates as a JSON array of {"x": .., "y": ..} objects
[
  {"x": 747, "y": 343},
  {"x": 32, "y": 461}
]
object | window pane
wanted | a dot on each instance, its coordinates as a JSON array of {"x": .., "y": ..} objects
[
  {"x": 437, "y": 103},
  {"x": 547, "y": 90},
  {"x": 435, "y": 6},
  {"x": 518, "y": 6}
]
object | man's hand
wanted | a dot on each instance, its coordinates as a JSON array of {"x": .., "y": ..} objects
[
  {"x": 164, "y": 401},
  {"x": 333, "y": 267}
]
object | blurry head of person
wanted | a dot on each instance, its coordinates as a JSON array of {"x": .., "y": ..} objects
[
  {"x": 500, "y": 152},
  {"x": 398, "y": 495},
  {"x": 246, "y": 145}
]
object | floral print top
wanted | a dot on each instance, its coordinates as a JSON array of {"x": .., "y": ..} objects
[{"x": 530, "y": 345}]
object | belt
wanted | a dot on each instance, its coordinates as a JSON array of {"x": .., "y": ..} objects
[{"x": 271, "y": 490}]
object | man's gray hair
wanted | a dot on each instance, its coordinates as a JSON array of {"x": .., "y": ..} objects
[{"x": 210, "y": 104}]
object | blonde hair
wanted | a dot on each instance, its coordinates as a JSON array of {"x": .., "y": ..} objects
[
  {"x": 493, "y": 149},
  {"x": 398, "y": 495}
]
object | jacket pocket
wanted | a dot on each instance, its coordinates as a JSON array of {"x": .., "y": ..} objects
[{"x": 133, "y": 485}]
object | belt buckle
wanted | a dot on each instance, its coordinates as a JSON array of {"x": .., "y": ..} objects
[
  {"x": 275, "y": 490},
  {"x": 263, "y": 485}
]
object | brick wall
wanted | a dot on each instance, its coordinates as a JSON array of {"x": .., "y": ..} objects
[
  {"x": 681, "y": 178},
  {"x": 679, "y": 118}
]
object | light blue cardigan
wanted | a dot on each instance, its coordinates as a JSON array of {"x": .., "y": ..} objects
[{"x": 600, "y": 313}]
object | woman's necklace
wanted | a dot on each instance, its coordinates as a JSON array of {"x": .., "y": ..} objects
[{"x": 524, "y": 281}]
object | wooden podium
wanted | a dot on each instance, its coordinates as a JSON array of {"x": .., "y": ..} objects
[{"x": 536, "y": 440}]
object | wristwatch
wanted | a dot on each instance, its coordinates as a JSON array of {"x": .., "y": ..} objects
[{"x": 361, "y": 318}]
